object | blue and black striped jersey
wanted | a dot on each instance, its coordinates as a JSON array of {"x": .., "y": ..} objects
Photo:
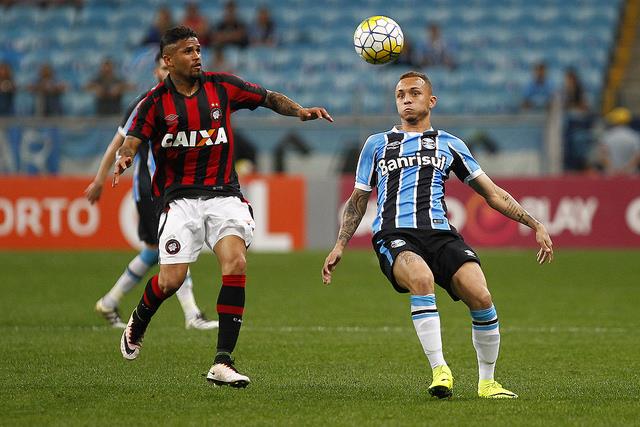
[{"x": 408, "y": 170}]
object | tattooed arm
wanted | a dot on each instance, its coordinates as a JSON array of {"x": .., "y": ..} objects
[
  {"x": 281, "y": 104},
  {"x": 353, "y": 213},
  {"x": 124, "y": 157},
  {"x": 503, "y": 202}
]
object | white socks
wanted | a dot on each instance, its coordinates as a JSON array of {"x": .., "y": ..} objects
[
  {"x": 426, "y": 320},
  {"x": 134, "y": 272},
  {"x": 186, "y": 298},
  {"x": 485, "y": 334}
]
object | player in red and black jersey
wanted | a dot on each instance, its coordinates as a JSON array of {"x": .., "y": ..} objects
[
  {"x": 187, "y": 118},
  {"x": 148, "y": 216}
]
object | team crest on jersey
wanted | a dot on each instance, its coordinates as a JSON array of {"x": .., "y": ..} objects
[
  {"x": 171, "y": 119},
  {"x": 397, "y": 243},
  {"x": 216, "y": 112},
  {"x": 172, "y": 247},
  {"x": 428, "y": 143}
]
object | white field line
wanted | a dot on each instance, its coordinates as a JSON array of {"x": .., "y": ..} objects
[
  {"x": 399, "y": 329},
  {"x": 349, "y": 329}
]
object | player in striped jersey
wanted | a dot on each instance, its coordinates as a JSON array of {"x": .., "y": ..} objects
[
  {"x": 415, "y": 244},
  {"x": 187, "y": 118},
  {"x": 148, "y": 212}
]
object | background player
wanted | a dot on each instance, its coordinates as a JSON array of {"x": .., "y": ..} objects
[
  {"x": 148, "y": 212},
  {"x": 187, "y": 119},
  {"x": 415, "y": 243}
]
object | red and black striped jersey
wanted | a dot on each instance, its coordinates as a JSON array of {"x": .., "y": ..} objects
[{"x": 191, "y": 136}]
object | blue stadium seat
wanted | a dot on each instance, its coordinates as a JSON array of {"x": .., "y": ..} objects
[
  {"x": 79, "y": 103},
  {"x": 20, "y": 16},
  {"x": 495, "y": 44}
]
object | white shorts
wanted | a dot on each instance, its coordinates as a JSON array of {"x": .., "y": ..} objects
[{"x": 189, "y": 223}]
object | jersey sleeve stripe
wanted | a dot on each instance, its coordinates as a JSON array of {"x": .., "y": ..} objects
[
  {"x": 473, "y": 176},
  {"x": 144, "y": 118},
  {"x": 366, "y": 163},
  {"x": 363, "y": 187}
]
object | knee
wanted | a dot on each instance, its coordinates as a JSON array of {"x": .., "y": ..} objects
[
  {"x": 421, "y": 284},
  {"x": 234, "y": 265},
  {"x": 481, "y": 300},
  {"x": 170, "y": 282}
]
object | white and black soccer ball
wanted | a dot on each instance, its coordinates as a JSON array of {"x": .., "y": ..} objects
[{"x": 378, "y": 40}]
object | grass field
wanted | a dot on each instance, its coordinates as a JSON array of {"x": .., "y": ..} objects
[{"x": 340, "y": 355}]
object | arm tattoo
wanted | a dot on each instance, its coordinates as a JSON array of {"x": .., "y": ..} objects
[
  {"x": 281, "y": 104},
  {"x": 513, "y": 210},
  {"x": 353, "y": 213}
]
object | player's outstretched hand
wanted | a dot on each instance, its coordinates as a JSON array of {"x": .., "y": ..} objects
[
  {"x": 122, "y": 163},
  {"x": 330, "y": 264},
  {"x": 545, "y": 254},
  {"x": 314, "y": 113},
  {"x": 93, "y": 192}
]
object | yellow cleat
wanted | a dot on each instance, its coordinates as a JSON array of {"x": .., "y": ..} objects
[
  {"x": 491, "y": 389},
  {"x": 442, "y": 385}
]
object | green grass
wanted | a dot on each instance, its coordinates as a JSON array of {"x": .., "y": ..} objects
[{"x": 340, "y": 355}]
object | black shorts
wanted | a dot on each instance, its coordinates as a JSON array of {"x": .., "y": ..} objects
[
  {"x": 149, "y": 216},
  {"x": 444, "y": 252}
]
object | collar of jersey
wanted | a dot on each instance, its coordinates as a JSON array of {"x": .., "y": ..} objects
[
  {"x": 395, "y": 129},
  {"x": 169, "y": 83}
]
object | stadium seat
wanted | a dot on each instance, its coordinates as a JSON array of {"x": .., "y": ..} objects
[
  {"x": 495, "y": 46},
  {"x": 79, "y": 103}
]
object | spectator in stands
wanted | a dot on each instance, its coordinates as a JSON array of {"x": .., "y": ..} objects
[
  {"x": 263, "y": 30},
  {"x": 47, "y": 92},
  {"x": 164, "y": 21},
  {"x": 436, "y": 50},
  {"x": 578, "y": 138},
  {"x": 408, "y": 55},
  {"x": 219, "y": 63},
  {"x": 231, "y": 30},
  {"x": 108, "y": 89},
  {"x": 619, "y": 149},
  {"x": 7, "y": 89},
  {"x": 573, "y": 97},
  {"x": 539, "y": 92},
  {"x": 195, "y": 20},
  {"x": 245, "y": 155}
]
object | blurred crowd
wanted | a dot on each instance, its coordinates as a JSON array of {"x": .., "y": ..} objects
[
  {"x": 593, "y": 143},
  {"x": 607, "y": 144},
  {"x": 42, "y": 3},
  {"x": 108, "y": 86},
  {"x": 229, "y": 30}
]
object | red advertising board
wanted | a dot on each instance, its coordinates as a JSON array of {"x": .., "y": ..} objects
[
  {"x": 587, "y": 212},
  {"x": 52, "y": 213}
]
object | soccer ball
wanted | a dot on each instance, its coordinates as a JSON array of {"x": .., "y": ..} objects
[{"x": 378, "y": 40}]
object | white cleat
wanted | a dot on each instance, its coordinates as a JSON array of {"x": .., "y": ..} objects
[
  {"x": 200, "y": 322},
  {"x": 132, "y": 337},
  {"x": 226, "y": 374},
  {"x": 111, "y": 315}
]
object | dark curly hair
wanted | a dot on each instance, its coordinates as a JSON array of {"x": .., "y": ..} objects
[{"x": 175, "y": 34}]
